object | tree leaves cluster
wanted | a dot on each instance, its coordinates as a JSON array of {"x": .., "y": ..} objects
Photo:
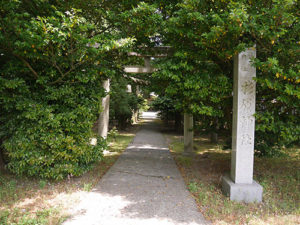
[
  {"x": 123, "y": 103},
  {"x": 53, "y": 60},
  {"x": 205, "y": 35},
  {"x": 55, "y": 54}
]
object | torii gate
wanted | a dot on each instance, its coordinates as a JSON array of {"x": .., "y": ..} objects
[
  {"x": 239, "y": 185},
  {"x": 147, "y": 68}
]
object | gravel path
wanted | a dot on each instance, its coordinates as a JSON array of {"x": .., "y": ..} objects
[{"x": 144, "y": 187}]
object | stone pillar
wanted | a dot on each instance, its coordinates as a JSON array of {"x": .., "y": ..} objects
[
  {"x": 2, "y": 164},
  {"x": 240, "y": 185},
  {"x": 213, "y": 137},
  {"x": 147, "y": 62},
  {"x": 178, "y": 122},
  {"x": 128, "y": 88},
  {"x": 137, "y": 90},
  {"x": 134, "y": 117},
  {"x": 136, "y": 113},
  {"x": 188, "y": 133},
  {"x": 104, "y": 115}
]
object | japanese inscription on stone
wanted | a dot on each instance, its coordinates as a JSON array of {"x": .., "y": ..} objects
[
  {"x": 243, "y": 118},
  {"x": 246, "y": 92}
]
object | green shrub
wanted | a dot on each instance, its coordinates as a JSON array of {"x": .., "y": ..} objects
[
  {"x": 275, "y": 131},
  {"x": 50, "y": 91},
  {"x": 205, "y": 38},
  {"x": 165, "y": 106},
  {"x": 122, "y": 103}
]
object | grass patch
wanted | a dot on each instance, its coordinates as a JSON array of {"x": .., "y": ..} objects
[
  {"x": 87, "y": 187},
  {"x": 21, "y": 217},
  {"x": 184, "y": 160},
  {"x": 28, "y": 201},
  {"x": 176, "y": 146},
  {"x": 280, "y": 178}
]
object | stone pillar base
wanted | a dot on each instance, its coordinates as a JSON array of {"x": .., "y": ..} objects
[{"x": 242, "y": 192}]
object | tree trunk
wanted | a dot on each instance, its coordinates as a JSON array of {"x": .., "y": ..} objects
[
  {"x": 214, "y": 133},
  {"x": 188, "y": 133},
  {"x": 2, "y": 164},
  {"x": 214, "y": 137},
  {"x": 178, "y": 122}
]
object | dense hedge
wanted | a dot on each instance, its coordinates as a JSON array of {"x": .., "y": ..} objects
[
  {"x": 205, "y": 35},
  {"x": 50, "y": 91},
  {"x": 51, "y": 70}
]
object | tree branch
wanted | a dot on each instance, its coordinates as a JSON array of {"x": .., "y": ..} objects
[
  {"x": 10, "y": 49},
  {"x": 66, "y": 73},
  {"x": 35, "y": 74},
  {"x": 100, "y": 32},
  {"x": 259, "y": 41}
]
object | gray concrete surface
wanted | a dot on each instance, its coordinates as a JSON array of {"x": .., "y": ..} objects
[
  {"x": 143, "y": 187},
  {"x": 240, "y": 186},
  {"x": 242, "y": 192}
]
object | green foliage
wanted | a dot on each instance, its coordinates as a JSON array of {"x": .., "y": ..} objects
[
  {"x": 193, "y": 187},
  {"x": 55, "y": 54},
  {"x": 42, "y": 183},
  {"x": 122, "y": 103},
  {"x": 165, "y": 106},
  {"x": 205, "y": 36},
  {"x": 274, "y": 130},
  {"x": 113, "y": 133},
  {"x": 8, "y": 188},
  {"x": 87, "y": 187},
  {"x": 41, "y": 217},
  {"x": 186, "y": 161},
  {"x": 50, "y": 88},
  {"x": 142, "y": 21}
]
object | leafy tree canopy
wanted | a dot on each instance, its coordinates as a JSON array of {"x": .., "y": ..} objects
[{"x": 55, "y": 54}]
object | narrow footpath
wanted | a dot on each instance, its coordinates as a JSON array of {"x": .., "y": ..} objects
[{"x": 144, "y": 187}]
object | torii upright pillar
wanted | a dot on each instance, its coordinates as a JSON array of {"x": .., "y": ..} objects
[
  {"x": 136, "y": 112},
  {"x": 240, "y": 185},
  {"x": 188, "y": 134},
  {"x": 103, "y": 121}
]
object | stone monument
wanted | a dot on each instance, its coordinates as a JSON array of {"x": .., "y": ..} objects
[
  {"x": 188, "y": 134},
  {"x": 240, "y": 185}
]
